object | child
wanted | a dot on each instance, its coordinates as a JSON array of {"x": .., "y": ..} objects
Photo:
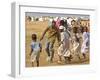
[
  {"x": 85, "y": 43},
  {"x": 51, "y": 32},
  {"x": 76, "y": 46},
  {"x": 63, "y": 49},
  {"x": 35, "y": 50}
]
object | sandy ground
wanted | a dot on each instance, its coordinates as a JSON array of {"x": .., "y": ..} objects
[{"x": 38, "y": 28}]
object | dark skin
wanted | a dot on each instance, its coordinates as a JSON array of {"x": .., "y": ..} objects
[
  {"x": 34, "y": 38},
  {"x": 44, "y": 33},
  {"x": 46, "y": 30},
  {"x": 85, "y": 30},
  {"x": 53, "y": 25}
]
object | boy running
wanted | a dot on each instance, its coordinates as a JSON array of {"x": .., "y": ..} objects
[
  {"x": 52, "y": 32},
  {"x": 85, "y": 43},
  {"x": 35, "y": 50},
  {"x": 63, "y": 49}
]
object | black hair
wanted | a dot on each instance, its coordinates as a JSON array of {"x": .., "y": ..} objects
[
  {"x": 62, "y": 22},
  {"x": 53, "y": 22},
  {"x": 75, "y": 29},
  {"x": 86, "y": 28},
  {"x": 34, "y": 37}
]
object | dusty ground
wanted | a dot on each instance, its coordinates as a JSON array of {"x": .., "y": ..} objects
[{"x": 38, "y": 28}]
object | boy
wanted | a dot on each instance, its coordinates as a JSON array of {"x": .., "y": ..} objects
[
  {"x": 85, "y": 43},
  {"x": 63, "y": 49},
  {"x": 35, "y": 50},
  {"x": 76, "y": 46},
  {"x": 52, "y": 32}
]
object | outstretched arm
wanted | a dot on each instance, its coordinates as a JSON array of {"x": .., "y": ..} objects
[
  {"x": 44, "y": 33},
  {"x": 40, "y": 47},
  {"x": 31, "y": 51}
]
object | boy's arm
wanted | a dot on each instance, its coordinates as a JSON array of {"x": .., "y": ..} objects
[
  {"x": 40, "y": 47},
  {"x": 31, "y": 51},
  {"x": 44, "y": 33}
]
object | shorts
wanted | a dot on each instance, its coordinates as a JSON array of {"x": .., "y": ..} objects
[{"x": 35, "y": 56}]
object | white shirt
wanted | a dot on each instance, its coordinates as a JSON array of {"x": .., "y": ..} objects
[
  {"x": 64, "y": 35},
  {"x": 85, "y": 36},
  {"x": 64, "y": 39},
  {"x": 35, "y": 46}
]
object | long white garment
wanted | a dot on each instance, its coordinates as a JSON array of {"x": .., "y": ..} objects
[
  {"x": 85, "y": 41},
  {"x": 75, "y": 47},
  {"x": 63, "y": 48}
]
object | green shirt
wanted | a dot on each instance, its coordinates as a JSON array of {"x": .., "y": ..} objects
[{"x": 51, "y": 34}]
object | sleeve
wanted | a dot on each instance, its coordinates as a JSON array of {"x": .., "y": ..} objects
[
  {"x": 85, "y": 36},
  {"x": 32, "y": 45}
]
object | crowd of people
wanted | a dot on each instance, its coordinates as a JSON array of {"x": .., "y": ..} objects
[{"x": 72, "y": 38}]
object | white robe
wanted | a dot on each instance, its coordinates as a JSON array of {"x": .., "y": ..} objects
[
  {"x": 63, "y": 49},
  {"x": 85, "y": 40}
]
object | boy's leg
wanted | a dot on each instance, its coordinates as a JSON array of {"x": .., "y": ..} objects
[
  {"x": 52, "y": 55},
  {"x": 60, "y": 59},
  {"x": 51, "y": 51},
  {"x": 83, "y": 51},
  {"x": 77, "y": 54},
  {"x": 47, "y": 49},
  {"x": 37, "y": 58},
  {"x": 32, "y": 59},
  {"x": 37, "y": 63}
]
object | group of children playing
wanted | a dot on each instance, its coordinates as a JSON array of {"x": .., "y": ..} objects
[{"x": 69, "y": 42}]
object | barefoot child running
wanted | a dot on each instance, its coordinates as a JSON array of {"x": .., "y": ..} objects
[
  {"x": 85, "y": 43},
  {"x": 63, "y": 50},
  {"x": 76, "y": 46},
  {"x": 51, "y": 32},
  {"x": 35, "y": 50}
]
